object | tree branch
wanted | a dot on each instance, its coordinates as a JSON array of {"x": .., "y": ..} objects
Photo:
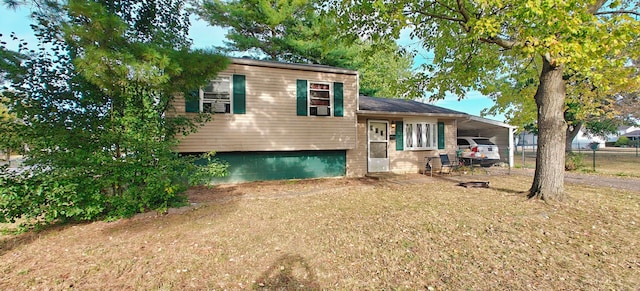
[
  {"x": 504, "y": 43},
  {"x": 596, "y": 6},
  {"x": 443, "y": 17},
  {"x": 618, "y": 12},
  {"x": 463, "y": 11},
  {"x": 445, "y": 6}
]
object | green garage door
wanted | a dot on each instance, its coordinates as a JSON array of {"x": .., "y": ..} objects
[{"x": 258, "y": 166}]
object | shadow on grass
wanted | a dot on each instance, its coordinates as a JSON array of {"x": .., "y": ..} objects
[
  {"x": 467, "y": 179},
  {"x": 289, "y": 272},
  {"x": 220, "y": 201},
  {"x": 511, "y": 191},
  {"x": 15, "y": 239}
]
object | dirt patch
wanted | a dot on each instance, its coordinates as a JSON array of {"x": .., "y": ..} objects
[{"x": 274, "y": 189}]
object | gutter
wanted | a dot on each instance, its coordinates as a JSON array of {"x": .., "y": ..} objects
[
  {"x": 388, "y": 113},
  {"x": 290, "y": 66}
]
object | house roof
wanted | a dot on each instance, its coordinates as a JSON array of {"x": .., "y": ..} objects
[
  {"x": 389, "y": 106},
  {"x": 635, "y": 133},
  {"x": 292, "y": 66}
]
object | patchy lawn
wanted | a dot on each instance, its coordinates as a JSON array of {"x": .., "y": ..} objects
[
  {"x": 622, "y": 162},
  {"x": 414, "y": 233}
]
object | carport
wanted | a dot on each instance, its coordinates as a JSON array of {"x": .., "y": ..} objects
[{"x": 500, "y": 133}]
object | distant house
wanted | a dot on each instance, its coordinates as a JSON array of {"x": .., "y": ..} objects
[
  {"x": 633, "y": 135},
  {"x": 283, "y": 121}
]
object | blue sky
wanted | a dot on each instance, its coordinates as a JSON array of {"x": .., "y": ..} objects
[{"x": 205, "y": 36}]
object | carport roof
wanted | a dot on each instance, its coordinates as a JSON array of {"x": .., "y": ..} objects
[{"x": 389, "y": 106}]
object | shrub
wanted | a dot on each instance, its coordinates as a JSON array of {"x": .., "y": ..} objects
[
  {"x": 622, "y": 141},
  {"x": 573, "y": 161},
  {"x": 41, "y": 195}
]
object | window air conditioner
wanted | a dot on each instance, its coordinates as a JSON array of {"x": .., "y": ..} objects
[
  {"x": 221, "y": 108},
  {"x": 322, "y": 111}
]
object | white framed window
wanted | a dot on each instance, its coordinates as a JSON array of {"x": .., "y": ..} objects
[
  {"x": 320, "y": 99},
  {"x": 216, "y": 96},
  {"x": 420, "y": 135}
]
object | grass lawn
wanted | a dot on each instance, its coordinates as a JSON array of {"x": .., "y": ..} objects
[
  {"x": 346, "y": 234},
  {"x": 609, "y": 161}
]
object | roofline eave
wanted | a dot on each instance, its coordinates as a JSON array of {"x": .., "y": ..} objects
[
  {"x": 492, "y": 122},
  {"x": 415, "y": 114},
  {"x": 292, "y": 66}
]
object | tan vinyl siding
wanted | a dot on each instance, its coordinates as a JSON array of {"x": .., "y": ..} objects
[
  {"x": 270, "y": 122},
  {"x": 404, "y": 161},
  {"x": 357, "y": 158}
]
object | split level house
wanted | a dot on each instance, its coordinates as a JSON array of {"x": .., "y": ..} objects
[{"x": 277, "y": 120}]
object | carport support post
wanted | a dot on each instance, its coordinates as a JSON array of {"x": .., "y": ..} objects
[
  {"x": 508, "y": 153},
  {"x": 523, "y": 164}
]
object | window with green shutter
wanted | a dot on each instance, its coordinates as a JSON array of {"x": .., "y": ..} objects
[
  {"x": 239, "y": 94},
  {"x": 399, "y": 136},
  {"x": 192, "y": 101},
  {"x": 218, "y": 97},
  {"x": 319, "y": 98},
  {"x": 419, "y": 135},
  {"x": 338, "y": 99},
  {"x": 440, "y": 135},
  {"x": 301, "y": 97}
]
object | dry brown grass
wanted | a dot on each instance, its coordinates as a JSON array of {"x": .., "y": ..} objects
[
  {"x": 347, "y": 234},
  {"x": 609, "y": 161}
]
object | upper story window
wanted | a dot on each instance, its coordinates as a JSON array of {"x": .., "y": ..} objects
[
  {"x": 226, "y": 94},
  {"x": 319, "y": 99},
  {"x": 216, "y": 96}
]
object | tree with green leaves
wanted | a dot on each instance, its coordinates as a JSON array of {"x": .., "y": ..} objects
[
  {"x": 95, "y": 99},
  {"x": 476, "y": 43},
  {"x": 9, "y": 69},
  {"x": 587, "y": 109},
  {"x": 296, "y": 31}
]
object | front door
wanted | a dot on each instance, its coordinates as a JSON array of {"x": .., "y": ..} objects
[{"x": 378, "y": 149}]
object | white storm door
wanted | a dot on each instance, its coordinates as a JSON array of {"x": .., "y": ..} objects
[{"x": 378, "y": 149}]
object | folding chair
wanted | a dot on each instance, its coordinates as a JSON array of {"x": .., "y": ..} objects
[{"x": 446, "y": 163}]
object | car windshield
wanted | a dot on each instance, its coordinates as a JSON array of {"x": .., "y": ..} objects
[{"x": 483, "y": 141}]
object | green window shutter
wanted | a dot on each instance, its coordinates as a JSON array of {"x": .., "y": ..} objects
[
  {"x": 399, "y": 136},
  {"x": 440, "y": 135},
  {"x": 239, "y": 94},
  {"x": 338, "y": 99},
  {"x": 301, "y": 97},
  {"x": 192, "y": 101}
]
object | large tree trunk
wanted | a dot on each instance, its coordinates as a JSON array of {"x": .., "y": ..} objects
[
  {"x": 548, "y": 182},
  {"x": 572, "y": 132}
]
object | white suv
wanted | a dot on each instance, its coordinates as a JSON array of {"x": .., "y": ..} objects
[{"x": 479, "y": 150}]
